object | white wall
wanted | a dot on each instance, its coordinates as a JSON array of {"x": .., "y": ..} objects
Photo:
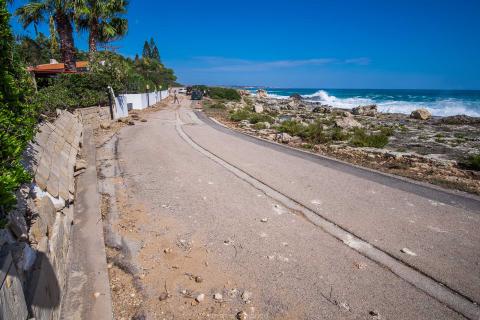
[{"x": 138, "y": 100}]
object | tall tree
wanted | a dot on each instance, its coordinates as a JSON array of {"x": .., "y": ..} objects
[
  {"x": 62, "y": 11},
  {"x": 154, "y": 53},
  {"x": 147, "y": 51},
  {"x": 103, "y": 19}
]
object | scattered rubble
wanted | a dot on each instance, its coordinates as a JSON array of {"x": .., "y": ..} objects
[{"x": 200, "y": 298}]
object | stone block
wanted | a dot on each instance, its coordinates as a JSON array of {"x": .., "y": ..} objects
[
  {"x": 52, "y": 184},
  {"x": 12, "y": 299}
]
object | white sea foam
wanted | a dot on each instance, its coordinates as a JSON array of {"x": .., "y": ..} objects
[{"x": 446, "y": 107}]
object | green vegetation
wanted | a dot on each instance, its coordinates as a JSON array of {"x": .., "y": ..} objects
[
  {"x": 361, "y": 138},
  {"x": 63, "y": 14},
  {"x": 314, "y": 132},
  {"x": 17, "y": 117},
  {"x": 223, "y": 94},
  {"x": 387, "y": 131},
  {"x": 103, "y": 19},
  {"x": 293, "y": 128},
  {"x": 69, "y": 91},
  {"x": 252, "y": 117},
  {"x": 260, "y": 126},
  {"x": 472, "y": 162},
  {"x": 338, "y": 134},
  {"x": 240, "y": 115}
]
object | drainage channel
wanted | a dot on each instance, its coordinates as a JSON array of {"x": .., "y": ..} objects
[{"x": 439, "y": 291}]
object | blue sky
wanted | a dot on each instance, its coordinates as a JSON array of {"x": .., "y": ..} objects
[{"x": 317, "y": 44}]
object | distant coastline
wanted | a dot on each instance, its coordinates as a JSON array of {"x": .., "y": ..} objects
[{"x": 438, "y": 102}]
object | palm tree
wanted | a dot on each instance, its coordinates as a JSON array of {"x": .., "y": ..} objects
[
  {"x": 62, "y": 11},
  {"x": 103, "y": 19}
]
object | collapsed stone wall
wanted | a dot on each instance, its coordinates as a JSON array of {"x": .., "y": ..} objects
[
  {"x": 94, "y": 116},
  {"x": 34, "y": 246}
]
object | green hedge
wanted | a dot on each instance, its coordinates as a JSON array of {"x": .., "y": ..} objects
[
  {"x": 70, "y": 91},
  {"x": 17, "y": 118},
  {"x": 224, "y": 93}
]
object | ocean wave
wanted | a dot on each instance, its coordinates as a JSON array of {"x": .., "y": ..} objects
[
  {"x": 445, "y": 107},
  {"x": 441, "y": 108}
]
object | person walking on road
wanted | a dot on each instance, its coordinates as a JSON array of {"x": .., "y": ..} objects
[{"x": 175, "y": 98}]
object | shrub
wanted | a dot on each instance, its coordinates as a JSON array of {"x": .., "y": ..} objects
[
  {"x": 259, "y": 126},
  {"x": 293, "y": 128},
  {"x": 214, "y": 105},
  {"x": 17, "y": 118},
  {"x": 72, "y": 91},
  {"x": 362, "y": 139},
  {"x": 338, "y": 134},
  {"x": 388, "y": 131},
  {"x": 315, "y": 134},
  {"x": 224, "y": 93},
  {"x": 257, "y": 117},
  {"x": 471, "y": 163},
  {"x": 240, "y": 115}
]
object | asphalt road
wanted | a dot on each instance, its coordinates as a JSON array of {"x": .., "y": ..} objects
[{"x": 331, "y": 246}]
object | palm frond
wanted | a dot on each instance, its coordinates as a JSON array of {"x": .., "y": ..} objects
[{"x": 32, "y": 12}]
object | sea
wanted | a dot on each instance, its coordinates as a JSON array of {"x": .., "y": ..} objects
[{"x": 438, "y": 102}]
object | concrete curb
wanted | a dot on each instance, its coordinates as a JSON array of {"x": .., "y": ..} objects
[{"x": 88, "y": 289}]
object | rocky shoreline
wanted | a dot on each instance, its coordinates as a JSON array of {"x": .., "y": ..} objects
[{"x": 439, "y": 150}]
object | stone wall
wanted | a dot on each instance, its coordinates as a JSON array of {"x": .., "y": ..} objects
[
  {"x": 34, "y": 247},
  {"x": 94, "y": 116}
]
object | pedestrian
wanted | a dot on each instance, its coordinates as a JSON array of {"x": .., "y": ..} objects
[{"x": 175, "y": 98}]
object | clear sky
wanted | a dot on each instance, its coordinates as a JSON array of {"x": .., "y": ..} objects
[{"x": 318, "y": 44}]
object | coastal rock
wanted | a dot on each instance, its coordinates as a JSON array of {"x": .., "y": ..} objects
[
  {"x": 347, "y": 122},
  {"x": 296, "y": 96},
  {"x": 283, "y": 137},
  {"x": 262, "y": 93},
  {"x": 258, "y": 108},
  {"x": 321, "y": 109},
  {"x": 370, "y": 110},
  {"x": 292, "y": 105},
  {"x": 460, "y": 119},
  {"x": 421, "y": 114},
  {"x": 245, "y": 123}
]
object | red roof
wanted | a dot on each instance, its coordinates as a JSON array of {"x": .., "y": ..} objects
[{"x": 55, "y": 67}]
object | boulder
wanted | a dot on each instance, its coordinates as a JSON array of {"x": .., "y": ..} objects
[
  {"x": 370, "y": 110},
  {"x": 292, "y": 105},
  {"x": 347, "y": 122},
  {"x": 283, "y": 137},
  {"x": 321, "y": 109},
  {"x": 262, "y": 93},
  {"x": 105, "y": 125},
  {"x": 421, "y": 114},
  {"x": 258, "y": 108},
  {"x": 296, "y": 96}
]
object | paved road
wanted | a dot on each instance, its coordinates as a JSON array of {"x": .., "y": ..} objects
[{"x": 213, "y": 187}]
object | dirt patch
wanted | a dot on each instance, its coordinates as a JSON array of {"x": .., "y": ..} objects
[{"x": 126, "y": 299}]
